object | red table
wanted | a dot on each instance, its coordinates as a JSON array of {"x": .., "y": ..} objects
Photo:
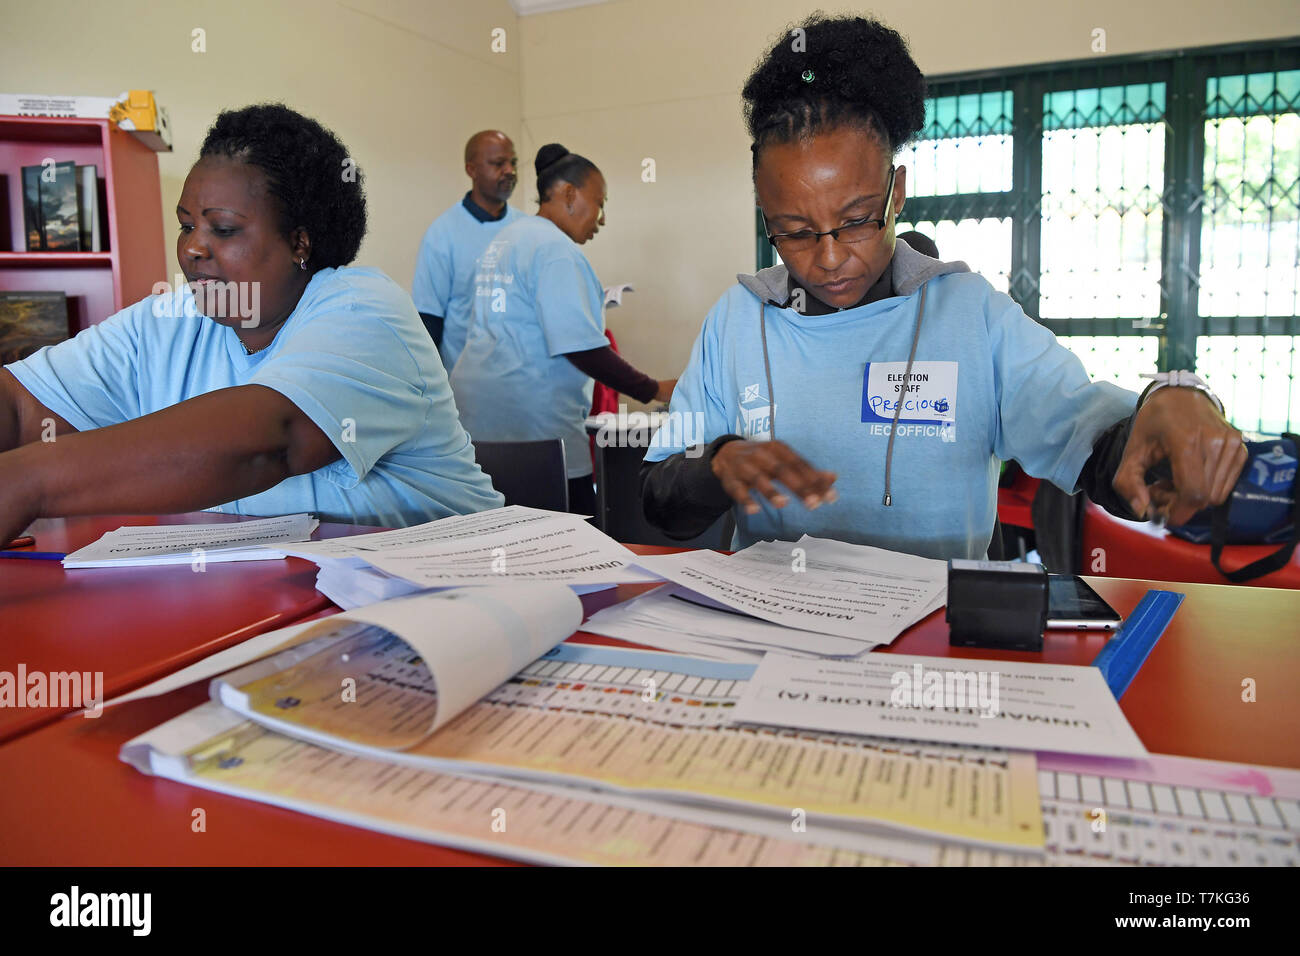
[
  {"x": 137, "y": 624},
  {"x": 1186, "y": 700},
  {"x": 1113, "y": 546}
]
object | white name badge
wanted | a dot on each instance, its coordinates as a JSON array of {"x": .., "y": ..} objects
[{"x": 927, "y": 396}]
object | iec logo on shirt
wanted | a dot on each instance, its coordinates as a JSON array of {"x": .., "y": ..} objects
[
  {"x": 755, "y": 418},
  {"x": 928, "y": 399}
]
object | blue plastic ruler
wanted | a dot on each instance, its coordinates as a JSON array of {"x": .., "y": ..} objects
[{"x": 1126, "y": 652}]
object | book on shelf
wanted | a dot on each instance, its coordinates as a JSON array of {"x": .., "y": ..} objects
[
  {"x": 88, "y": 208},
  {"x": 50, "y": 213},
  {"x": 30, "y": 321}
]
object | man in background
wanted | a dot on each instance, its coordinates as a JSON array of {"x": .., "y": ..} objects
[{"x": 443, "y": 288}]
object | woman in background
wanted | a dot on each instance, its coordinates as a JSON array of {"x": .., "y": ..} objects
[
  {"x": 537, "y": 337},
  {"x": 276, "y": 381}
]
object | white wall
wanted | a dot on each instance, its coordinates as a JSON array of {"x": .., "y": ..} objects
[
  {"x": 402, "y": 82},
  {"x": 623, "y": 81},
  {"x": 405, "y": 82}
]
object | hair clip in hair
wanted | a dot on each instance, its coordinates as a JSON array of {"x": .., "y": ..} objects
[{"x": 808, "y": 76}]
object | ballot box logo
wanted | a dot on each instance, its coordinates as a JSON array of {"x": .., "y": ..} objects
[
  {"x": 1273, "y": 472},
  {"x": 754, "y": 415},
  {"x": 946, "y": 690},
  {"x": 63, "y": 690}
]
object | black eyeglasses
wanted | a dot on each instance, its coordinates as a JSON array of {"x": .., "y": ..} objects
[{"x": 855, "y": 231}]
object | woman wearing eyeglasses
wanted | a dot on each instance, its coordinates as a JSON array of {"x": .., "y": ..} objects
[{"x": 865, "y": 392}]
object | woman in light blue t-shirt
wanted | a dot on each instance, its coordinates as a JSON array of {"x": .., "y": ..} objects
[
  {"x": 272, "y": 380},
  {"x": 862, "y": 391},
  {"x": 537, "y": 328}
]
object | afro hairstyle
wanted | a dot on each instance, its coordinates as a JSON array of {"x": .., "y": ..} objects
[
  {"x": 825, "y": 73},
  {"x": 308, "y": 171}
]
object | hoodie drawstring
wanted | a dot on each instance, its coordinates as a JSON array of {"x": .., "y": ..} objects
[
  {"x": 888, "y": 500},
  {"x": 898, "y": 408},
  {"x": 767, "y": 367}
]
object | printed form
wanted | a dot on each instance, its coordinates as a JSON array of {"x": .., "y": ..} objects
[
  {"x": 814, "y": 584},
  {"x": 1048, "y": 707},
  {"x": 490, "y": 547},
  {"x": 136, "y": 546}
]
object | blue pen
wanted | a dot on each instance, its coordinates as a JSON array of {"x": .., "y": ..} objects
[
  {"x": 34, "y": 555},
  {"x": 1126, "y": 652}
]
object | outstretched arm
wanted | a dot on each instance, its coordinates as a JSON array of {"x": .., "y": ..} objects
[
  {"x": 22, "y": 418},
  {"x": 206, "y": 451}
]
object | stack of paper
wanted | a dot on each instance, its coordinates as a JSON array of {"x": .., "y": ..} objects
[
  {"x": 421, "y": 688},
  {"x": 257, "y": 540},
  {"x": 812, "y": 598},
  {"x": 673, "y": 618},
  {"x": 513, "y": 544}
]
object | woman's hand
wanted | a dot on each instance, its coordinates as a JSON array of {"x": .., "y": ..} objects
[
  {"x": 666, "y": 387},
  {"x": 746, "y": 466},
  {"x": 1205, "y": 453}
]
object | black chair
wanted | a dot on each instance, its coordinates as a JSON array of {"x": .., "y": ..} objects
[
  {"x": 618, "y": 505},
  {"x": 529, "y": 473}
]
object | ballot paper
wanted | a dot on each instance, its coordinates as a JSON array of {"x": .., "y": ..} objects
[
  {"x": 1046, "y": 707},
  {"x": 426, "y": 658},
  {"x": 637, "y": 724},
  {"x": 356, "y": 587},
  {"x": 614, "y": 293},
  {"x": 673, "y": 618},
  {"x": 258, "y": 540},
  {"x": 830, "y": 587},
  {"x": 491, "y": 547},
  {"x": 214, "y": 748}
]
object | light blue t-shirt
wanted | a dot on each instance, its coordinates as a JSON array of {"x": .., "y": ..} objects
[
  {"x": 988, "y": 383},
  {"x": 444, "y": 272},
  {"x": 353, "y": 356},
  {"x": 536, "y": 299}
]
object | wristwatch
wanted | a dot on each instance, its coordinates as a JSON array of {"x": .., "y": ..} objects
[{"x": 1179, "y": 379}]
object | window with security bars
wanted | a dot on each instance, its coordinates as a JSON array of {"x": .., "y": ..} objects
[{"x": 1146, "y": 210}]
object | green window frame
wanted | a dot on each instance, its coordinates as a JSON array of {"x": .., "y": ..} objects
[{"x": 1194, "y": 198}]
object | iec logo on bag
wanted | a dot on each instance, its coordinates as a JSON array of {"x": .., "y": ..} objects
[
  {"x": 928, "y": 398},
  {"x": 1273, "y": 472}
]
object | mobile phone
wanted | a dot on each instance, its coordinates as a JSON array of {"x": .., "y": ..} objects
[{"x": 1072, "y": 603}]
